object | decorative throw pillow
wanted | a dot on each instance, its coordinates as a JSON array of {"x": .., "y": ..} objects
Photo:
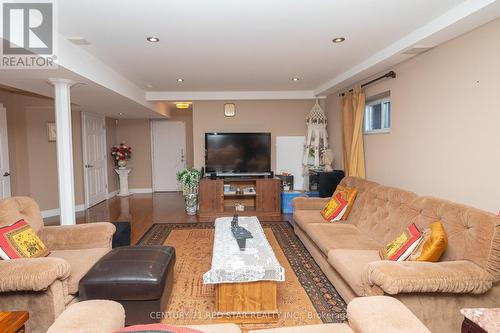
[
  {"x": 19, "y": 240},
  {"x": 157, "y": 328},
  {"x": 351, "y": 196},
  {"x": 433, "y": 244},
  {"x": 401, "y": 247},
  {"x": 340, "y": 204},
  {"x": 336, "y": 207}
]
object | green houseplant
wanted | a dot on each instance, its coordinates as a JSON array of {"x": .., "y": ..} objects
[{"x": 189, "y": 182}]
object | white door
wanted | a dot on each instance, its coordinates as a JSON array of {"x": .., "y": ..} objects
[
  {"x": 95, "y": 171},
  {"x": 4, "y": 156},
  {"x": 168, "y": 153}
]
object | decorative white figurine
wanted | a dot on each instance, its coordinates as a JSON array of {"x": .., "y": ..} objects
[
  {"x": 317, "y": 137},
  {"x": 327, "y": 159}
]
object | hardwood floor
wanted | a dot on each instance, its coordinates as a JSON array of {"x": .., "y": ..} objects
[{"x": 142, "y": 210}]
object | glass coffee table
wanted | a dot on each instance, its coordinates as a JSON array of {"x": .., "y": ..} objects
[{"x": 245, "y": 280}]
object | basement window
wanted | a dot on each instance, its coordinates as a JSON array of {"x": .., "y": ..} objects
[{"x": 378, "y": 116}]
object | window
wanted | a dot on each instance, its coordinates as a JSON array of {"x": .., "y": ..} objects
[{"x": 378, "y": 116}]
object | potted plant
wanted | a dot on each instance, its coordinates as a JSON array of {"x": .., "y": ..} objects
[
  {"x": 189, "y": 182},
  {"x": 121, "y": 154}
]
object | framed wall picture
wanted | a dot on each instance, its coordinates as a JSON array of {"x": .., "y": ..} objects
[
  {"x": 51, "y": 132},
  {"x": 229, "y": 109}
]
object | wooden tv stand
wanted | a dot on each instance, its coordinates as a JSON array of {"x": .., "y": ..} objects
[{"x": 265, "y": 202}]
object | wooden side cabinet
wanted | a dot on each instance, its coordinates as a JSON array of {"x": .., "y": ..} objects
[
  {"x": 264, "y": 202},
  {"x": 13, "y": 322},
  {"x": 211, "y": 196},
  {"x": 268, "y": 194}
]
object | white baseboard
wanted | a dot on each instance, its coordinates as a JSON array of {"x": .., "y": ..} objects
[
  {"x": 140, "y": 190},
  {"x": 57, "y": 211},
  {"x": 81, "y": 208},
  {"x": 112, "y": 194}
]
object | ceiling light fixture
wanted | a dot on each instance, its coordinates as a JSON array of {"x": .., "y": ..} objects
[
  {"x": 183, "y": 105},
  {"x": 120, "y": 113},
  {"x": 294, "y": 79},
  {"x": 338, "y": 39},
  {"x": 180, "y": 80},
  {"x": 149, "y": 86},
  {"x": 153, "y": 39}
]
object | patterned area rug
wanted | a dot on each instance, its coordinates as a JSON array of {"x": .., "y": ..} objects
[{"x": 306, "y": 297}]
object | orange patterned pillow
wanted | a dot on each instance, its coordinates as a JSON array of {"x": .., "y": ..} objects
[
  {"x": 340, "y": 204},
  {"x": 336, "y": 207},
  {"x": 351, "y": 196},
  {"x": 19, "y": 240},
  {"x": 403, "y": 246}
]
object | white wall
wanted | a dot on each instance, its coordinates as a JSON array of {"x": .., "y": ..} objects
[{"x": 445, "y": 135}]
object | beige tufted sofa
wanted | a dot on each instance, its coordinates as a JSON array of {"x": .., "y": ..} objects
[
  {"x": 47, "y": 286},
  {"x": 466, "y": 276},
  {"x": 365, "y": 315}
]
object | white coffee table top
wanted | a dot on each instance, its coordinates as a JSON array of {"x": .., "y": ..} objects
[{"x": 230, "y": 265}]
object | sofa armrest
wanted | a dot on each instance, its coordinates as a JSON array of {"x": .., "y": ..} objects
[
  {"x": 391, "y": 277},
  {"x": 31, "y": 274},
  {"x": 96, "y": 316},
  {"x": 382, "y": 314},
  {"x": 304, "y": 203},
  {"x": 80, "y": 236}
]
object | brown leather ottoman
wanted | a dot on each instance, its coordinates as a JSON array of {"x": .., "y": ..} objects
[{"x": 138, "y": 277}]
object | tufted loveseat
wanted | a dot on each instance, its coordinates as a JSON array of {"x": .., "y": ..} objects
[{"x": 467, "y": 275}]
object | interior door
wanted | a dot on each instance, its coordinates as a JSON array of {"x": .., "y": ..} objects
[
  {"x": 4, "y": 156},
  {"x": 168, "y": 153},
  {"x": 94, "y": 158}
]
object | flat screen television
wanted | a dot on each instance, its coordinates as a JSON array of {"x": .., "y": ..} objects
[{"x": 238, "y": 153}]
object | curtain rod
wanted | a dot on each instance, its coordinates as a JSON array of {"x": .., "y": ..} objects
[{"x": 387, "y": 75}]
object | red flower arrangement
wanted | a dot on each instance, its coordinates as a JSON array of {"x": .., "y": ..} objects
[{"x": 121, "y": 152}]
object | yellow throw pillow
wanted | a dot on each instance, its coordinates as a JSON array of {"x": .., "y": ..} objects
[
  {"x": 433, "y": 244},
  {"x": 336, "y": 207},
  {"x": 351, "y": 196},
  {"x": 340, "y": 204}
]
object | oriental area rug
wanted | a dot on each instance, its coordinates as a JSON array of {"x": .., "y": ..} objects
[{"x": 306, "y": 297}]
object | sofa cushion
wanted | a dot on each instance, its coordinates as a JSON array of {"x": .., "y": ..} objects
[
  {"x": 385, "y": 213},
  {"x": 351, "y": 264},
  {"x": 321, "y": 328},
  {"x": 305, "y": 217},
  {"x": 90, "y": 317},
  {"x": 382, "y": 314},
  {"x": 20, "y": 208},
  {"x": 81, "y": 261},
  {"x": 330, "y": 236}
]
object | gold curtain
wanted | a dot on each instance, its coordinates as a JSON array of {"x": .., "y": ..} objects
[{"x": 353, "y": 111}]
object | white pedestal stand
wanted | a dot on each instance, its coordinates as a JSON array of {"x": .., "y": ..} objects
[{"x": 123, "y": 173}]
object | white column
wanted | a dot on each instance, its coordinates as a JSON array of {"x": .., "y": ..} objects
[
  {"x": 123, "y": 173},
  {"x": 62, "y": 104}
]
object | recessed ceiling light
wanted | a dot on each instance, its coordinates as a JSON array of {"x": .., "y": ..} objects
[
  {"x": 153, "y": 39},
  {"x": 120, "y": 113},
  {"x": 338, "y": 39},
  {"x": 294, "y": 79},
  {"x": 180, "y": 80},
  {"x": 182, "y": 105}
]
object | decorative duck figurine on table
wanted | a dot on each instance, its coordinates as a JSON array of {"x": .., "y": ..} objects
[{"x": 240, "y": 234}]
